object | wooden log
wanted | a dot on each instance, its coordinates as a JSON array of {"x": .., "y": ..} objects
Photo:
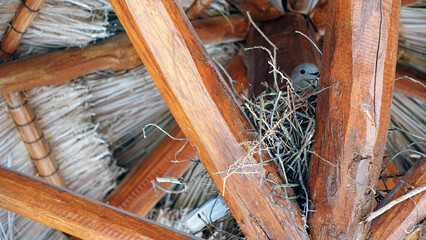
[
  {"x": 353, "y": 115},
  {"x": 319, "y": 16},
  {"x": 261, "y": 10},
  {"x": 73, "y": 214},
  {"x": 397, "y": 221},
  {"x": 304, "y": 7},
  {"x": 33, "y": 138},
  {"x": 197, "y": 8},
  {"x": 202, "y": 105},
  {"x": 136, "y": 194},
  {"x": 116, "y": 52},
  {"x": 407, "y": 86},
  {"x": 221, "y": 29},
  {"x": 19, "y": 25},
  {"x": 293, "y": 49}
]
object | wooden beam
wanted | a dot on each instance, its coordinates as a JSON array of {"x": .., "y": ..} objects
[
  {"x": 261, "y": 10},
  {"x": 352, "y": 116},
  {"x": 301, "y": 6},
  {"x": 408, "y": 2},
  {"x": 72, "y": 213},
  {"x": 116, "y": 52},
  {"x": 204, "y": 109},
  {"x": 221, "y": 29},
  {"x": 293, "y": 49},
  {"x": 397, "y": 221},
  {"x": 407, "y": 86},
  {"x": 197, "y": 8},
  {"x": 136, "y": 194}
]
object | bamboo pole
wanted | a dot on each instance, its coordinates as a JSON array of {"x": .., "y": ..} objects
[
  {"x": 396, "y": 222},
  {"x": 136, "y": 194},
  {"x": 116, "y": 52},
  {"x": 197, "y": 8},
  {"x": 261, "y": 10},
  {"x": 19, "y": 108},
  {"x": 33, "y": 138},
  {"x": 353, "y": 116},
  {"x": 72, "y": 213},
  {"x": 207, "y": 115},
  {"x": 19, "y": 25}
]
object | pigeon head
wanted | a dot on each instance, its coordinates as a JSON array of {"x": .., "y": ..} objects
[{"x": 304, "y": 75}]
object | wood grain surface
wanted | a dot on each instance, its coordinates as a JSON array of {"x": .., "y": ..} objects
[
  {"x": 73, "y": 214},
  {"x": 207, "y": 114},
  {"x": 352, "y": 116},
  {"x": 399, "y": 220}
]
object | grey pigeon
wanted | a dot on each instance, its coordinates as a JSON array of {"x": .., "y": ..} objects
[{"x": 304, "y": 75}]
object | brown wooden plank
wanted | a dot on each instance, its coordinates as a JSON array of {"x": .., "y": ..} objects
[
  {"x": 407, "y": 86},
  {"x": 136, "y": 194},
  {"x": 116, "y": 52},
  {"x": 262, "y": 10},
  {"x": 206, "y": 113},
  {"x": 293, "y": 49},
  {"x": 73, "y": 214},
  {"x": 397, "y": 221},
  {"x": 197, "y": 8},
  {"x": 352, "y": 116}
]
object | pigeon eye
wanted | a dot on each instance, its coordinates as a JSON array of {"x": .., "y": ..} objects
[{"x": 302, "y": 71}]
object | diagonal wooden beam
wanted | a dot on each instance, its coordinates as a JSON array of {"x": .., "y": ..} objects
[
  {"x": 136, "y": 193},
  {"x": 72, "y": 213},
  {"x": 352, "y": 116},
  {"x": 208, "y": 116},
  {"x": 397, "y": 221},
  {"x": 261, "y": 10},
  {"x": 116, "y": 52}
]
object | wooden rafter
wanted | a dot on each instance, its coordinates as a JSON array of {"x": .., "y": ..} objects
[
  {"x": 197, "y": 8},
  {"x": 353, "y": 115},
  {"x": 73, "y": 214},
  {"x": 408, "y": 86},
  {"x": 206, "y": 113},
  {"x": 262, "y": 10},
  {"x": 396, "y": 222},
  {"x": 116, "y": 52}
]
